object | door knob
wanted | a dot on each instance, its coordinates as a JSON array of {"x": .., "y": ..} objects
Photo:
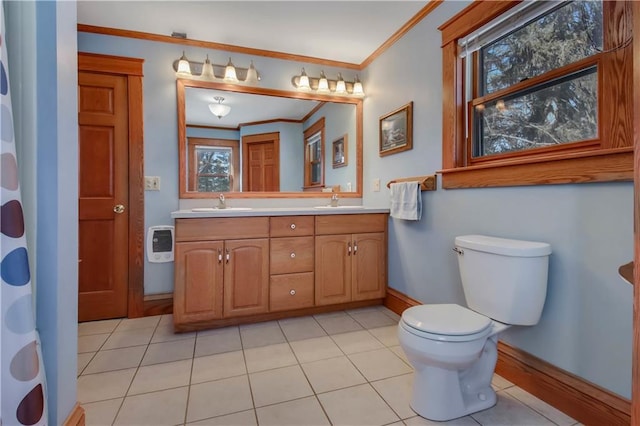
[{"x": 118, "y": 208}]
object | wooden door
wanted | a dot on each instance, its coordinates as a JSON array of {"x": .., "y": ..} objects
[
  {"x": 369, "y": 270},
  {"x": 103, "y": 196},
  {"x": 246, "y": 277},
  {"x": 261, "y": 162},
  {"x": 198, "y": 288},
  {"x": 333, "y": 269}
]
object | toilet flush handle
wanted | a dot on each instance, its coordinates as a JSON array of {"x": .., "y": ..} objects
[{"x": 459, "y": 251}]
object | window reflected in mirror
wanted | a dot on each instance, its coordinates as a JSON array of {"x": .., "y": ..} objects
[
  {"x": 213, "y": 164},
  {"x": 314, "y": 155}
]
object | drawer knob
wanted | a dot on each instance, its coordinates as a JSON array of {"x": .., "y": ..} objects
[
  {"x": 292, "y": 292},
  {"x": 293, "y": 255},
  {"x": 293, "y": 226}
]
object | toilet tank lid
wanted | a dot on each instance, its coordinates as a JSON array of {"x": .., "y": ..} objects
[{"x": 503, "y": 246}]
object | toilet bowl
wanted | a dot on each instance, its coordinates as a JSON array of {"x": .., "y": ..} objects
[{"x": 453, "y": 349}]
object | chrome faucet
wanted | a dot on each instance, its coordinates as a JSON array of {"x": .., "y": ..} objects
[
  {"x": 334, "y": 200},
  {"x": 221, "y": 202}
]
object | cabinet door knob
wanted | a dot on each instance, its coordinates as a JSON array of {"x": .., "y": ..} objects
[
  {"x": 219, "y": 255},
  {"x": 228, "y": 256},
  {"x": 293, "y": 255},
  {"x": 355, "y": 248},
  {"x": 292, "y": 292},
  {"x": 293, "y": 226},
  {"x": 349, "y": 248}
]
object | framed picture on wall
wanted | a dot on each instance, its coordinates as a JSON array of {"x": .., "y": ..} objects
[
  {"x": 396, "y": 130},
  {"x": 339, "y": 150}
]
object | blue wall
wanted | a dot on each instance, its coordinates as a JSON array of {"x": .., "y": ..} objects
[{"x": 586, "y": 325}]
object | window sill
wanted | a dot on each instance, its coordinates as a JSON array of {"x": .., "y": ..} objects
[{"x": 609, "y": 165}]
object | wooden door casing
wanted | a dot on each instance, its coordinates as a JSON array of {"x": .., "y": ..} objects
[
  {"x": 332, "y": 269},
  {"x": 369, "y": 270},
  {"x": 103, "y": 184},
  {"x": 246, "y": 277},
  {"x": 198, "y": 281}
]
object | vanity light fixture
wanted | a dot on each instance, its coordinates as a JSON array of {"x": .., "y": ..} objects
[
  {"x": 209, "y": 71},
  {"x": 219, "y": 110},
  {"x": 304, "y": 83}
]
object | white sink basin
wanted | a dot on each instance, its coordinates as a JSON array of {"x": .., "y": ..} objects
[
  {"x": 339, "y": 207},
  {"x": 215, "y": 209}
]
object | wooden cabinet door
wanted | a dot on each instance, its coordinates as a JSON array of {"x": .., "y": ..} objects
[
  {"x": 369, "y": 269},
  {"x": 333, "y": 269},
  {"x": 246, "y": 277},
  {"x": 198, "y": 282}
]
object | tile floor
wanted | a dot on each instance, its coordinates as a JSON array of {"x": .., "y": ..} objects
[{"x": 342, "y": 368}]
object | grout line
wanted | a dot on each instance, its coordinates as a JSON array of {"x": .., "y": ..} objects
[{"x": 193, "y": 359}]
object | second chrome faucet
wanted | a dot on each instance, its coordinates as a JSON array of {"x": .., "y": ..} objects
[{"x": 221, "y": 202}]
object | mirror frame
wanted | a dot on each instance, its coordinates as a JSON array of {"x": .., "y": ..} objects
[{"x": 182, "y": 84}]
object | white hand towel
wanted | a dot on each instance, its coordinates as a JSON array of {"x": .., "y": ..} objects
[{"x": 406, "y": 201}]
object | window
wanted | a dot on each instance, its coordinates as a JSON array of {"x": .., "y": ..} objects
[
  {"x": 314, "y": 155},
  {"x": 212, "y": 165},
  {"x": 537, "y": 93}
]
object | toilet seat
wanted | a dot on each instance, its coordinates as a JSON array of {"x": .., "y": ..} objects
[{"x": 446, "y": 322}]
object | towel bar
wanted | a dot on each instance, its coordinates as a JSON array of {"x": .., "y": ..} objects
[{"x": 427, "y": 183}]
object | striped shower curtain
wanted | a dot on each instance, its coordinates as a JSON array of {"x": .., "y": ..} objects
[{"x": 22, "y": 390}]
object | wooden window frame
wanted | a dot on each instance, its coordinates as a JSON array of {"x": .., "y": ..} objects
[
  {"x": 226, "y": 143},
  {"x": 316, "y": 127},
  {"x": 605, "y": 159}
]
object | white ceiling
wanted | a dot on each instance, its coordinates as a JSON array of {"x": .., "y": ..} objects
[{"x": 346, "y": 31}]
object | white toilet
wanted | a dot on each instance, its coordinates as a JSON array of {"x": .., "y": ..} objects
[{"x": 453, "y": 348}]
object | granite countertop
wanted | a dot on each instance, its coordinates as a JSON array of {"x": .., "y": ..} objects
[{"x": 273, "y": 211}]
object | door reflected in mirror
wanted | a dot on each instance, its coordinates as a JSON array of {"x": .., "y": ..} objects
[{"x": 271, "y": 142}]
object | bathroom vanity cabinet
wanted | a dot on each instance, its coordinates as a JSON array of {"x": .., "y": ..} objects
[{"x": 231, "y": 270}]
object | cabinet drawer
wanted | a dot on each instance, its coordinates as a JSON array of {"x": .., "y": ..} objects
[
  {"x": 291, "y": 226},
  {"x": 222, "y": 228},
  {"x": 291, "y": 255},
  {"x": 291, "y": 291},
  {"x": 350, "y": 223}
]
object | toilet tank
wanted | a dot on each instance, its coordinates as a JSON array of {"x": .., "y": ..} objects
[{"x": 504, "y": 279}]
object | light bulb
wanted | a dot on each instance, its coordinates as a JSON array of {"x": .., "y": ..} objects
[
  {"x": 303, "y": 83},
  {"x": 230, "y": 73},
  {"x": 341, "y": 87},
  {"x": 357, "y": 88},
  {"x": 207, "y": 70},
  {"x": 252, "y": 75},
  {"x": 184, "y": 69},
  {"x": 323, "y": 84}
]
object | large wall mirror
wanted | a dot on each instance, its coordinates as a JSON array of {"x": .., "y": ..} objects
[{"x": 270, "y": 143}]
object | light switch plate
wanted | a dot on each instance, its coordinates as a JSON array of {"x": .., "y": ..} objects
[
  {"x": 152, "y": 183},
  {"x": 376, "y": 185}
]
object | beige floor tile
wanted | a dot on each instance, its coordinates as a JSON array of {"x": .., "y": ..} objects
[
  {"x": 279, "y": 385},
  {"x": 363, "y": 310},
  {"x": 388, "y": 336},
  {"x": 389, "y": 313},
  {"x": 315, "y": 349},
  {"x": 165, "y": 333},
  {"x": 123, "y": 339},
  {"x": 338, "y": 323},
  {"x": 83, "y": 360},
  {"x": 156, "y": 408},
  {"x": 97, "y": 327},
  {"x": 261, "y": 334},
  {"x": 128, "y": 324},
  {"x": 396, "y": 391},
  {"x": 400, "y": 352},
  {"x": 373, "y": 319},
  {"x": 101, "y": 386},
  {"x": 101, "y": 413},
  {"x": 358, "y": 405},
  {"x": 379, "y": 364},
  {"x": 166, "y": 319},
  {"x": 509, "y": 411},
  {"x": 356, "y": 341},
  {"x": 268, "y": 357},
  {"x": 220, "y": 366},
  {"x": 331, "y": 374},
  {"x": 212, "y": 399},
  {"x": 115, "y": 359},
  {"x": 91, "y": 343},
  {"x": 158, "y": 377},
  {"x": 462, "y": 421},
  {"x": 169, "y": 351},
  {"x": 305, "y": 411},
  {"x": 551, "y": 413},
  {"x": 218, "y": 341},
  {"x": 500, "y": 382},
  {"x": 301, "y": 328},
  {"x": 243, "y": 418}
]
